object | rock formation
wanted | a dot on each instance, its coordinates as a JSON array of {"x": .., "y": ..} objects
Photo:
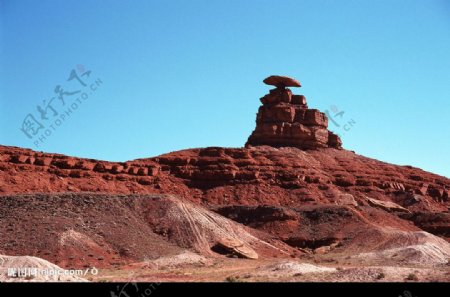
[
  {"x": 291, "y": 193},
  {"x": 284, "y": 119}
]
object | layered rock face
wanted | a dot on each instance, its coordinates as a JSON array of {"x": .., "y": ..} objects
[
  {"x": 293, "y": 187},
  {"x": 259, "y": 175},
  {"x": 284, "y": 119}
]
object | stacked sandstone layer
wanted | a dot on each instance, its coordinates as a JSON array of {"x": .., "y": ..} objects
[{"x": 285, "y": 120}]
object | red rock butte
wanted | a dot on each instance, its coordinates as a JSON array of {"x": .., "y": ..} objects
[
  {"x": 284, "y": 119},
  {"x": 291, "y": 195}
]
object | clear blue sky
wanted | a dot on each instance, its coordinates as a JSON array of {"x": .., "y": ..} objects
[{"x": 184, "y": 74}]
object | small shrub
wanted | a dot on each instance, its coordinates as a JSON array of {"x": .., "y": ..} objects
[
  {"x": 232, "y": 279},
  {"x": 412, "y": 277}
]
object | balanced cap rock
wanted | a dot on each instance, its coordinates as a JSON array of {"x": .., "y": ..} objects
[
  {"x": 281, "y": 81},
  {"x": 284, "y": 119}
]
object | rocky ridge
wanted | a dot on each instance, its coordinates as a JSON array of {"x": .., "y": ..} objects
[{"x": 292, "y": 191}]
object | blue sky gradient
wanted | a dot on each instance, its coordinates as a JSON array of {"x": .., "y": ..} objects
[{"x": 184, "y": 74}]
